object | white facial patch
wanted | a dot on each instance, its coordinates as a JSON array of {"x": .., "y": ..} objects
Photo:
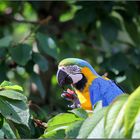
[
  {"x": 76, "y": 77},
  {"x": 73, "y": 71}
]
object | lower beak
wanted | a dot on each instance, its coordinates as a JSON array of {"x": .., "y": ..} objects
[{"x": 63, "y": 78}]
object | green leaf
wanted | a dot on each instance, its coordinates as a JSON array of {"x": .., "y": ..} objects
[
  {"x": 3, "y": 71},
  {"x": 55, "y": 134},
  {"x": 8, "y": 132},
  {"x": 14, "y": 110},
  {"x": 110, "y": 30},
  {"x": 72, "y": 131},
  {"x": 98, "y": 131},
  {"x": 14, "y": 95},
  {"x": 1, "y": 134},
  {"x": 114, "y": 117},
  {"x": 97, "y": 106},
  {"x": 62, "y": 119},
  {"x": 5, "y": 41},
  {"x": 88, "y": 12},
  {"x": 124, "y": 37},
  {"x": 1, "y": 121},
  {"x": 41, "y": 61},
  {"x": 69, "y": 14},
  {"x": 3, "y": 52},
  {"x": 90, "y": 124},
  {"x": 36, "y": 79},
  {"x": 9, "y": 85},
  {"x": 21, "y": 54},
  {"x": 133, "y": 32},
  {"x": 136, "y": 129},
  {"x": 23, "y": 131},
  {"x": 46, "y": 45},
  {"x": 80, "y": 113},
  {"x": 131, "y": 111}
]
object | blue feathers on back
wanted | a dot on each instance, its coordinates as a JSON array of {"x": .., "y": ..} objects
[{"x": 104, "y": 90}]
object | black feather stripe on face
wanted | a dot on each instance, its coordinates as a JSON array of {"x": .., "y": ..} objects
[{"x": 81, "y": 84}]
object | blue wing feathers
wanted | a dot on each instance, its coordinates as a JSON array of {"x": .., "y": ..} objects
[
  {"x": 105, "y": 90},
  {"x": 95, "y": 97}
]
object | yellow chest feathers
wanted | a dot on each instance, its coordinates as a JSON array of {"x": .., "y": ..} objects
[{"x": 84, "y": 96}]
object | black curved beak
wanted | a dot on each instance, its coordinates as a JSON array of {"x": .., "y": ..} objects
[{"x": 63, "y": 78}]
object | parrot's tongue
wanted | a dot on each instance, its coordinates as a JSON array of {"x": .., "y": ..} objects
[{"x": 68, "y": 95}]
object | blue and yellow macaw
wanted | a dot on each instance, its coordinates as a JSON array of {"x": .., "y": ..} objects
[{"x": 89, "y": 86}]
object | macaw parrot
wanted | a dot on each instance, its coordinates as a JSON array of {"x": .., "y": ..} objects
[{"x": 88, "y": 85}]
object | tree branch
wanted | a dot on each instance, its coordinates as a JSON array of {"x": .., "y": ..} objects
[{"x": 11, "y": 18}]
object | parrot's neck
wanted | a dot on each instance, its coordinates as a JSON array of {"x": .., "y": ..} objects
[
  {"x": 82, "y": 88},
  {"x": 86, "y": 81},
  {"x": 89, "y": 75},
  {"x": 81, "y": 84}
]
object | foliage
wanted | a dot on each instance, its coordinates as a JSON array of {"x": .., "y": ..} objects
[
  {"x": 13, "y": 110},
  {"x": 118, "y": 120},
  {"x": 36, "y": 35}
]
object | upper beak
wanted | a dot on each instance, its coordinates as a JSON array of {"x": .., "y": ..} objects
[{"x": 63, "y": 78}]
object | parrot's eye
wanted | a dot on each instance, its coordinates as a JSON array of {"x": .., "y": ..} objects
[
  {"x": 63, "y": 68},
  {"x": 73, "y": 69}
]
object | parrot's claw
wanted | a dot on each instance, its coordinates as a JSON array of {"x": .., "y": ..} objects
[
  {"x": 72, "y": 106},
  {"x": 78, "y": 105}
]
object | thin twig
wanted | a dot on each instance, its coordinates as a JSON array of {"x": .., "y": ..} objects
[
  {"x": 29, "y": 35},
  {"x": 24, "y": 21},
  {"x": 12, "y": 18},
  {"x": 42, "y": 22}
]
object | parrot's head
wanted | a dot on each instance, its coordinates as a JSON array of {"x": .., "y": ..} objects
[{"x": 74, "y": 71}]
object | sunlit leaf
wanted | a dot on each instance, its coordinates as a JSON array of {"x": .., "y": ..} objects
[
  {"x": 13, "y": 95},
  {"x": 63, "y": 119},
  {"x": 95, "y": 133},
  {"x": 114, "y": 117},
  {"x": 69, "y": 14},
  {"x": 90, "y": 124},
  {"x": 136, "y": 128},
  {"x": 131, "y": 111},
  {"x": 11, "y": 86},
  {"x": 55, "y": 134}
]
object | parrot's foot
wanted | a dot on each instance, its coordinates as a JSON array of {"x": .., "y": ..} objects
[
  {"x": 74, "y": 106},
  {"x": 70, "y": 95}
]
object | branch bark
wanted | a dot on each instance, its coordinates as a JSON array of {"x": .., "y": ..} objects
[{"x": 9, "y": 17}]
